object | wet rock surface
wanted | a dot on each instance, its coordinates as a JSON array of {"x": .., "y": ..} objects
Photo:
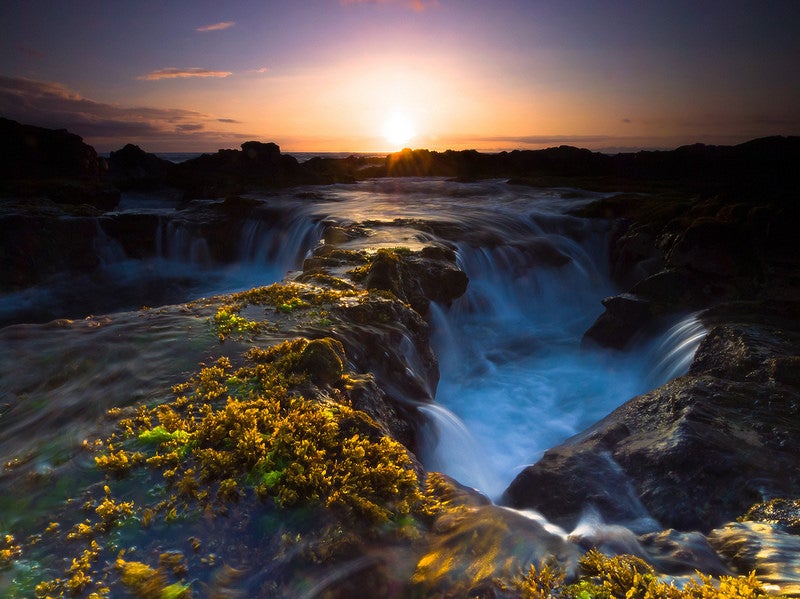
[
  {"x": 348, "y": 332},
  {"x": 700, "y": 450}
]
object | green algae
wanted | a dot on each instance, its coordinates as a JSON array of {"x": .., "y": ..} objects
[
  {"x": 159, "y": 435},
  {"x": 261, "y": 432},
  {"x": 285, "y": 299}
]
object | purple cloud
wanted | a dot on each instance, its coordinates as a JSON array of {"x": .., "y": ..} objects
[{"x": 110, "y": 126}]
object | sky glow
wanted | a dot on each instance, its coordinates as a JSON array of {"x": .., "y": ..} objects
[{"x": 328, "y": 75}]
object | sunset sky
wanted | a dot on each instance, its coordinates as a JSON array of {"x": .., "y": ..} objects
[{"x": 377, "y": 75}]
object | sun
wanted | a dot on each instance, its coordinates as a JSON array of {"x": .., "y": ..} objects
[{"x": 398, "y": 129}]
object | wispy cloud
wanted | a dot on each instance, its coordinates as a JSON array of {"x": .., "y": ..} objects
[
  {"x": 538, "y": 140},
  {"x": 216, "y": 26},
  {"x": 110, "y": 126},
  {"x": 173, "y": 73},
  {"x": 415, "y": 5}
]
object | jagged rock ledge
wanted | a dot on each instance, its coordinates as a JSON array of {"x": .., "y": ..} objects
[
  {"x": 720, "y": 443},
  {"x": 37, "y": 162}
]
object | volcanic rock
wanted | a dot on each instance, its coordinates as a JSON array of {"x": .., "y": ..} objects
[
  {"x": 53, "y": 164},
  {"x": 256, "y": 165},
  {"x": 697, "y": 451},
  {"x": 133, "y": 168}
]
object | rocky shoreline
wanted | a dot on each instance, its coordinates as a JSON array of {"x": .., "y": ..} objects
[{"x": 676, "y": 467}]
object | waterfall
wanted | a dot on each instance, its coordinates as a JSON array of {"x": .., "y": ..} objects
[
  {"x": 447, "y": 446},
  {"x": 513, "y": 373},
  {"x": 108, "y": 251},
  {"x": 177, "y": 242},
  {"x": 268, "y": 250},
  {"x": 178, "y": 256},
  {"x": 671, "y": 353}
]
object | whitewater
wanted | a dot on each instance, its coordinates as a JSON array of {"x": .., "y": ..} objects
[{"x": 515, "y": 380}]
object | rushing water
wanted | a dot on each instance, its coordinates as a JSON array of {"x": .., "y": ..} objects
[{"x": 514, "y": 377}]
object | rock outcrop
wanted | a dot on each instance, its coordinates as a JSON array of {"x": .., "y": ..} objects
[
  {"x": 53, "y": 164},
  {"x": 682, "y": 254},
  {"x": 700, "y": 450},
  {"x": 133, "y": 168},
  {"x": 694, "y": 453},
  {"x": 256, "y": 165}
]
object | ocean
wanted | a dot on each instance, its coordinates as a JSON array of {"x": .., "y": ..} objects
[{"x": 301, "y": 156}]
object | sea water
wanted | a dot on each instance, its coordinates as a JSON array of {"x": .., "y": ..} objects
[{"x": 515, "y": 379}]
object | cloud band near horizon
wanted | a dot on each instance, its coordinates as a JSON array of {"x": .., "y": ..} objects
[
  {"x": 174, "y": 73},
  {"x": 54, "y": 105}
]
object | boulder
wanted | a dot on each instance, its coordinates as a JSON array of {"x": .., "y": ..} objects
[
  {"x": 625, "y": 315},
  {"x": 323, "y": 361},
  {"x": 697, "y": 451},
  {"x": 133, "y": 168}
]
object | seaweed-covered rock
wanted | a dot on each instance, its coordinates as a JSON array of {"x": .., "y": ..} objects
[
  {"x": 323, "y": 360},
  {"x": 784, "y": 513}
]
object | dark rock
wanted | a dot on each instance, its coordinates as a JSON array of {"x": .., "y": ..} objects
[
  {"x": 697, "y": 451},
  {"x": 398, "y": 418},
  {"x": 711, "y": 246},
  {"x": 345, "y": 170},
  {"x": 625, "y": 316},
  {"x": 28, "y": 152},
  {"x": 384, "y": 273},
  {"x": 323, "y": 361},
  {"x": 133, "y": 168},
  {"x": 53, "y": 164},
  {"x": 678, "y": 289},
  {"x": 391, "y": 341},
  {"x": 414, "y": 277},
  {"x": 602, "y": 486},
  {"x": 33, "y": 248},
  {"x": 228, "y": 172}
]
